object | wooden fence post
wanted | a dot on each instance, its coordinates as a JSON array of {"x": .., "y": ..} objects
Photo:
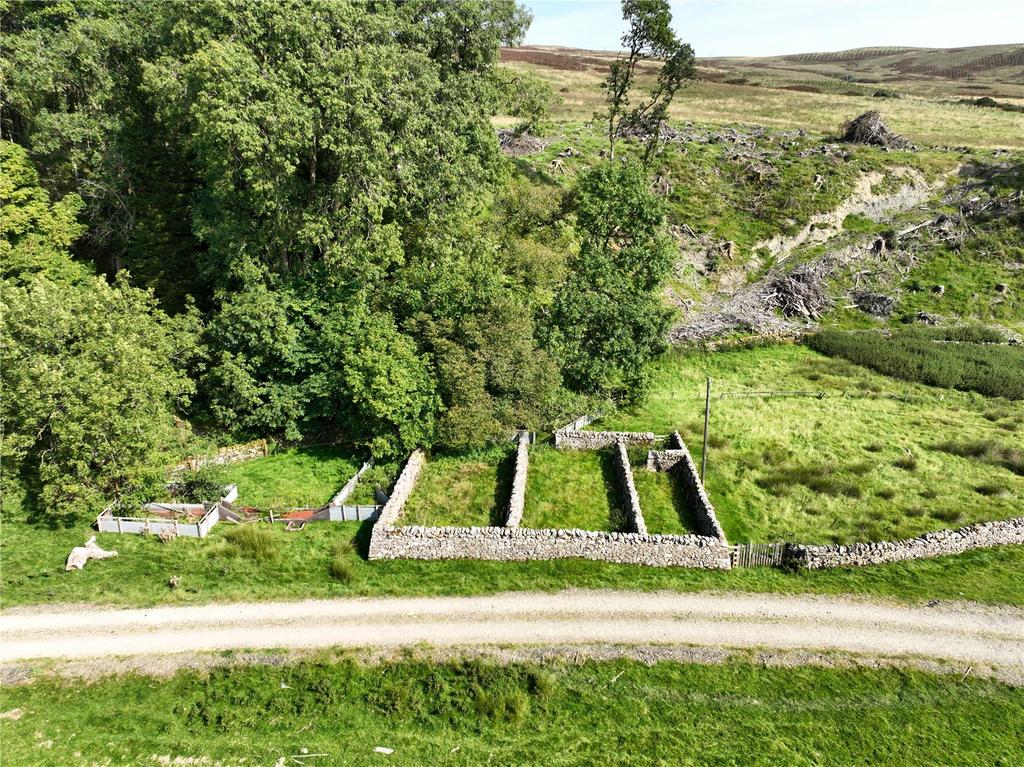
[{"x": 707, "y": 417}]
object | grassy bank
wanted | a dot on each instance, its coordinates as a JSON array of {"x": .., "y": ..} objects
[
  {"x": 473, "y": 712},
  {"x": 298, "y": 566},
  {"x": 661, "y": 499},
  {"x": 837, "y": 453}
]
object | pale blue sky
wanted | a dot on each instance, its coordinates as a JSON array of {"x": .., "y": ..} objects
[{"x": 771, "y": 27}]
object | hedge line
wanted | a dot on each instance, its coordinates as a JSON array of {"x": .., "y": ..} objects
[{"x": 911, "y": 355}]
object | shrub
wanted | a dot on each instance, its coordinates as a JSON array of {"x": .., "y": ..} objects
[
  {"x": 254, "y": 541},
  {"x": 198, "y": 486},
  {"x": 913, "y": 354}
]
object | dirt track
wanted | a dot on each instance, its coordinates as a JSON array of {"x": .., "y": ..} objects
[{"x": 968, "y": 634}]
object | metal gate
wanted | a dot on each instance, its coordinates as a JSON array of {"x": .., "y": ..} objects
[{"x": 758, "y": 555}]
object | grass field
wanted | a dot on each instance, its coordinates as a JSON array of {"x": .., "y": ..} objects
[
  {"x": 572, "y": 489},
  {"x": 661, "y": 500},
  {"x": 292, "y": 477},
  {"x": 298, "y": 567},
  {"x": 865, "y": 461},
  {"x": 479, "y": 713},
  {"x": 928, "y": 120},
  {"x": 464, "y": 491},
  {"x": 567, "y": 489}
]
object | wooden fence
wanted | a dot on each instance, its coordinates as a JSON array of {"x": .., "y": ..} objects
[
  {"x": 758, "y": 554},
  {"x": 193, "y": 528}
]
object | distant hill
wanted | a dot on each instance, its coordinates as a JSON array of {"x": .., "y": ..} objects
[
  {"x": 993, "y": 66},
  {"x": 991, "y": 70}
]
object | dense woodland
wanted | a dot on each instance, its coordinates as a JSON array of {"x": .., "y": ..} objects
[{"x": 292, "y": 220}]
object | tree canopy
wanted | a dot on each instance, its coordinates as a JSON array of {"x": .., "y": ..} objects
[
  {"x": 92, "y": 373},
  {"x": 292, "y": 220}
]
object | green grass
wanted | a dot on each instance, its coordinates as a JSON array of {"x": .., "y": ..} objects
[
  {"x": 661, "y": 499},
  {"x": 381, "y": 475},
  {"x": 970, "y": 274},
  {"x": 33, "y": 572},
  {"x": 462, "y": 490},
  {"x": 827, "y": 469},
  {"x": 254, "y": 540},
  {"x": 473, "y": 712},
  {"x": 714, "y": 191},
  {"x": 926, "y": 121},
  {"x": 571, "y": 489},
  {"x": 293, "y": 477},
  {"x": 342, "y": 562}
]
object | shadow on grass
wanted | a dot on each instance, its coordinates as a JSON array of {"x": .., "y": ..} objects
[
  {"x": 682, "y": 501},
  {"x": 361, "y": 540},
  {"x": 503, "y": 489},
  {"x": 613, "y": 492}
]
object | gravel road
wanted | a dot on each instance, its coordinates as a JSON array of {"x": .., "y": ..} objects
[{"x": 965, "y": 633}]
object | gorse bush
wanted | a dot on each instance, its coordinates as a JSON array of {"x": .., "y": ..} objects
[{"x": 914, "y": 355}]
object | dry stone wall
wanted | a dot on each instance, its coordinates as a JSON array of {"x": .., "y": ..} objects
[
  {"x": 685, "y": 471},
  {"x": 226, "y": 455},
  {"x": 517, "y": 544},
  {"x": 665, "y": 460},
  {"x": 595, "y": 440},
  {"x": 634, "y": 515},
  {"x": 708, "y": 550},
  {"x": 977, "y": 536},
  {"x": 400, "y": 494},
  {"x": 517, "y": 498}
]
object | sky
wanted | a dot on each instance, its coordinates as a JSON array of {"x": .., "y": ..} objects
[{"x": 773, "y": 27}]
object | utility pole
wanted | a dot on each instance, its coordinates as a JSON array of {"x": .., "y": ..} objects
[{"x": 707, "y": 417}]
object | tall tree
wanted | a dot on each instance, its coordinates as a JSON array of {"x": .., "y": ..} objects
[
  {"x": 649, "y": 36},
  {"x": 608, "y": 322},
  {"x": 314, "y": 175},
  {"x": 91, "y": 373}
]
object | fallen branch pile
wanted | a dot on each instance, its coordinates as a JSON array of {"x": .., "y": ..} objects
[
  {"x": 869, "y": 129},
  {"x": 802, "y": 292}
]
